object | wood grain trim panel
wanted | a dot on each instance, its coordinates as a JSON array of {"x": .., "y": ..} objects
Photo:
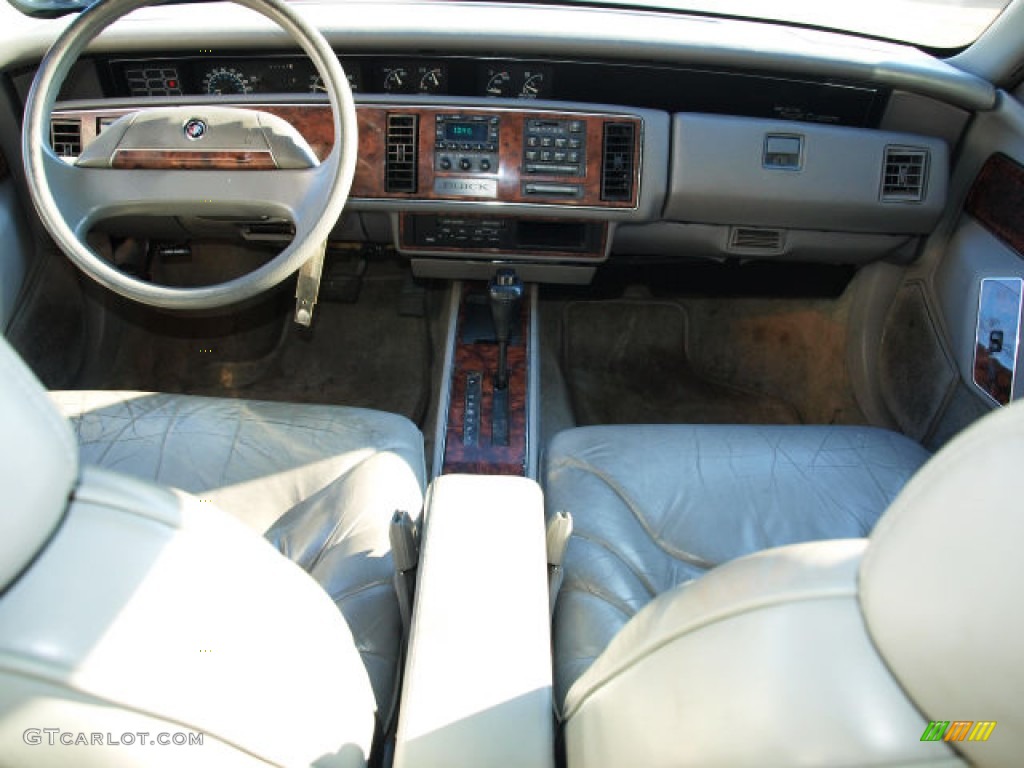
[
  {"x": 996, "y": 200},
  {"x": 314, "y": 122},
  {"x": 369, "y": 181},
  {"x": 484, "y": 458},
  {"x": 162, "y": 159}
]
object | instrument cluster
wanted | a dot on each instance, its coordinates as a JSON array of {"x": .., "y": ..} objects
[{"x": 284, "y": 74}]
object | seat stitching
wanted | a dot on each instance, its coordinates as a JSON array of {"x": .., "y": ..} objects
[
  {"x": 670, "y": 550},
  {"x": 587, "y": 588},
  {"x": 111, "y": 442},
  {"x": 608, "y": 548},
  {"x": 358, "y": 590},
  {"x": 167, "y": 435},
  {"x": 231, "y": 451}
]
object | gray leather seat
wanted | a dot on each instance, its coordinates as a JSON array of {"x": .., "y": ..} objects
[
  {"x": 655, "y": 506},
  {"x": 835, "y": 652},
  {"x": 320, "y": 482},
  {"x": 128, "y": 606}
]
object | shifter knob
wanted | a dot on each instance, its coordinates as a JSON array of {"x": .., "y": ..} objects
[{"x": 505, "y": 291}]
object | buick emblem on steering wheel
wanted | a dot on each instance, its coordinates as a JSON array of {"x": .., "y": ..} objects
[{"x": 195, "y": 129}]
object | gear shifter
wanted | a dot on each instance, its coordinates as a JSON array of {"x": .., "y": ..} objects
[{"x": 505, "y": 291}]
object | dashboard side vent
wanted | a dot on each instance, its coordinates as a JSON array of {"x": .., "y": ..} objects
[
  {"x": 754, "y": 240},
  {"x": 400, "y": 160},
  {"x": 617, "y": 162},
  {"x": 905, "y": 174},
  {"x": 66, "y": 137}
]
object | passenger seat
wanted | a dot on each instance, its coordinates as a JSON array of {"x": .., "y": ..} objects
[
  {"x": 898, "y": 648},
  {"x": 655, "y": 506}
]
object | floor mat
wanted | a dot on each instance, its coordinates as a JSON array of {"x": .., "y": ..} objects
[
  {"x": 625, "y": 362},
  {"x": 364, "y": 354}
]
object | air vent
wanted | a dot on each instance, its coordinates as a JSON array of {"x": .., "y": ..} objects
[
  {"x": 748, "y": 239},
  {"x": 905, "y": 174},
  {"x": 617, "y": 167},
  {"x": 400, "y": 162},
  {"x": 66, "y": 137}
]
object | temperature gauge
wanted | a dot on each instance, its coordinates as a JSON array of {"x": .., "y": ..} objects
[
  {"x": 499, "y": 82},
  {"x": 534, "y": 85}
]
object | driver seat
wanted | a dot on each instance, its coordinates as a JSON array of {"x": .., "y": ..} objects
[{"x": 133, "y": 612}]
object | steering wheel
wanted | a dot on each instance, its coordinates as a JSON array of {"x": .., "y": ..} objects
[{"x": 70, "y": 199}]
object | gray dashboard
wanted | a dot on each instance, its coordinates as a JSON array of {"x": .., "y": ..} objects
[{"x": 736, "y": 96}]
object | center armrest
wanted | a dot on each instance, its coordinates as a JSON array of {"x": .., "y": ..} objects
[{"x": 477, "y": 685}]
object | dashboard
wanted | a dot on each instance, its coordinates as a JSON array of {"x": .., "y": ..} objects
[{"x": 553, "y": 161}]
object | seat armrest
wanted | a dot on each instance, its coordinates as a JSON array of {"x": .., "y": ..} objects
[{"x": 478, "y": 676}]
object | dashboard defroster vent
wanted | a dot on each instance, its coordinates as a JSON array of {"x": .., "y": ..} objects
[
  {"x": 400, "y": 160},
  {"x": 617, "y": 162},
  {"x": 66, "y": 137},
  {"x": 751, "y": 240},
  {"x": 904, "y": 174}
]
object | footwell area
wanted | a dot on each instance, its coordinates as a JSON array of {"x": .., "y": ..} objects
[
  {"x": 698, "y": 360},
  {"x": 373, "y": 353},
  {"x": 626, "y": 363}
]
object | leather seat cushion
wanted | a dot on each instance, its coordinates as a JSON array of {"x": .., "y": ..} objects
[
  {"x": 656, "y": 506},
  {"x": 320, "y": 482}
]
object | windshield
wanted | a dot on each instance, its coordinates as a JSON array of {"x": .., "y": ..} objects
[{"x": 937, "y": 24}]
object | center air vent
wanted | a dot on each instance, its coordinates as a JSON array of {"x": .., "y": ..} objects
[
  {"x": 66, "y": 137},
  {"x": 400, "y": 160},
  {"x": 617, "y": 163},
  {"x": 905, "y": 174},
  {"x": 750, "y": 239}
]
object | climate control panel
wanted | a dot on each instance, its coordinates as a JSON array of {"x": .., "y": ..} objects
[{"x": 466, "y": 143}]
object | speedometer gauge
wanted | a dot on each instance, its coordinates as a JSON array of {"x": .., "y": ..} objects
[{"x": 224, "y": 81}]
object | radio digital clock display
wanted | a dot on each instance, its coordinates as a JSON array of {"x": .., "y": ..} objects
[{"x": 471, "y": 133}]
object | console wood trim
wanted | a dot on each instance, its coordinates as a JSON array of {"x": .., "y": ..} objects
[{"x": 485, "y": 458}]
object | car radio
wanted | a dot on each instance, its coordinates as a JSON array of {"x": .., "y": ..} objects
[{"x": 466, "y": 143}]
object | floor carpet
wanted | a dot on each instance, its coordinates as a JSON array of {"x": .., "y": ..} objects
[
  {"x": 626, "y": 362},
  {"x": 366, "y": 354}
]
